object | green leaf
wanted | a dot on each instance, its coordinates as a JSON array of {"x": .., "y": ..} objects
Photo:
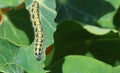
[
  {"x": 27, "y": 60},
  {"x": 20, "y": 57},
  {"x": 9, "y": 3},
  {"x": 81, "y": 64},
  {"x": 47, "y": 14},
  {"x": 8, "y": 52},
  {"x": 84, "y": 11},
  {"x": 116, "y": 69},
  {"x": 107, "y": 19},
  {"x": 13, "y": 68},
  {"x": 98, "y": 31},
  {"x": 16, "y": 27}
]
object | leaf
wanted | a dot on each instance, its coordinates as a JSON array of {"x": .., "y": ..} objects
[
  {"x": 18, "y": 57},
  {"x": 97, "y": 30},
  {"x": 84, "y": 11},
  {"x": 27, "y": 60},
  {"x": 9, "y": 3},
  {"x": 81, "y": 64},
  {"x": 16, "y": 27},
  {"x": 8, "y": 52},
  {"x": 107, "y": 19},
  {"x": 47, "y": 14},
  {"x": 13, "y": 68},
  {"x": 116, "y": 69}
]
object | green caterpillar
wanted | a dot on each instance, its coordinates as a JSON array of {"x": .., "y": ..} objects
[{"x": 38, "y": 31}]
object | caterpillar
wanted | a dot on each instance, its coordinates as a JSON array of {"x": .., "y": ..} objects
[{"x": 38, "y": 31}]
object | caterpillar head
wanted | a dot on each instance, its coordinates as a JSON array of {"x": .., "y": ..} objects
[{"x": 38, "y": 56}]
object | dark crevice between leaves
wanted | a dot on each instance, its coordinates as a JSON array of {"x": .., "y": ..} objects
[
  {"x": 21, "y": 19},
  {"x": 57, "y": 67}
]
